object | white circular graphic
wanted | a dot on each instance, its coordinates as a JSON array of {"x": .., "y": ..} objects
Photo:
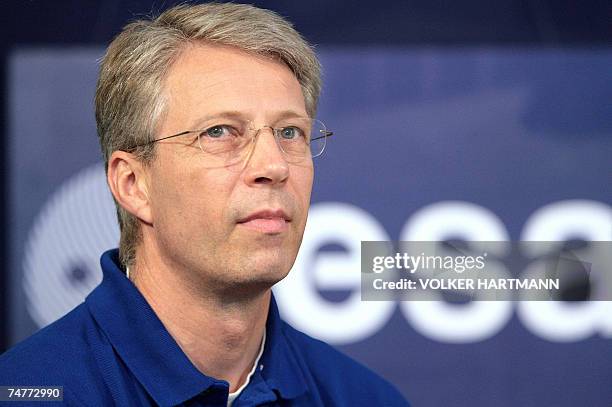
[{"x": 61, "y": 263}]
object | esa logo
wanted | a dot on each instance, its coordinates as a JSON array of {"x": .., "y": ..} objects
[
  {"x": 353, "y": 320},
  {"x": 78, "y": 223}
]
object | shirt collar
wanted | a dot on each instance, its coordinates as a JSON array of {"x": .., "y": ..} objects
[
  {"x": 281, "y": 366},
  {"x": 141, "y": 340},
  {"x": 155, "y": 358}
]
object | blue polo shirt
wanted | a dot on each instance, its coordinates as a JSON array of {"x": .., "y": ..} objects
[{"x": 113, "y": 350}]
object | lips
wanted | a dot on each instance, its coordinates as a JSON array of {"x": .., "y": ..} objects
[{"x": 271, "y": 221}]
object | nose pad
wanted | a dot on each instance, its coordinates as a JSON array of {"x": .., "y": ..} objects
[
  {"x": 251, "y": 149},
  {"x": 254, "y": 145}
]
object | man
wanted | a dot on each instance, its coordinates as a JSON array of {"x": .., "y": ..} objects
[{"x": 205, "y": 118}]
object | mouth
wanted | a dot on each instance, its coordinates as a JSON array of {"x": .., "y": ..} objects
[{"x": 269, "y": 221}]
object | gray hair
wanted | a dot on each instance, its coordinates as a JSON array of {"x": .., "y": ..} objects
[{"x": 130, "y": 91}]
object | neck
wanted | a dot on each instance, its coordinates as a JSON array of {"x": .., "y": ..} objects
[{"x": 220, "y": 336}]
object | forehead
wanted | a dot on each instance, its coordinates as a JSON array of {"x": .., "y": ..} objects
[{"x": 207, "y": 78}]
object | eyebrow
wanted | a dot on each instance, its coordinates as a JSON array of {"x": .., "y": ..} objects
[
  {"x": 231, "y": 114},
  {"x": 288, "y": 114},
  {"x": 237, "y": 115}
]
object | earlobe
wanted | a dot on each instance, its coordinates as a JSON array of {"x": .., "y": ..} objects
[{"x": 128, "y": 183}]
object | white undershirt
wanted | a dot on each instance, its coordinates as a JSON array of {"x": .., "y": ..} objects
[{"x": 232, "y": 396}]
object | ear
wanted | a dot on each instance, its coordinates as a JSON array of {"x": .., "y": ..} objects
[{"x": 128, "y": 183}]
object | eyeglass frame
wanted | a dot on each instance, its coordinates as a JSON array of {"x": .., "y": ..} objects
[{"x": 275, "y": 133}]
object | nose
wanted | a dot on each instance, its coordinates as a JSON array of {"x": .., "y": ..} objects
[{"x": 266, "y": 164}]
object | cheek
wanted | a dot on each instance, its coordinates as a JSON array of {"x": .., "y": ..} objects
[
  {"x": 210, "y": 194},
  {"x": 185, "y": 195},
  {"x": 302, "y": 183},
  {"x": 171, "y": 206}
]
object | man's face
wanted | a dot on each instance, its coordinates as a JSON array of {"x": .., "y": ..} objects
[{"x": 237, "y": 225}]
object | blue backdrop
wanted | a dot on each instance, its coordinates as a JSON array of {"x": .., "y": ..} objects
[{"x": 476, "y": 143}]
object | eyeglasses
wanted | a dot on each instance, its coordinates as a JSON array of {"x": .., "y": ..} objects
[{"x": 232, "y": 140}]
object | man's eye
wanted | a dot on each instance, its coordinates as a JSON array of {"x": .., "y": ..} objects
[
  {"x": 218, "y": 132},
  {"x": 290, "y": 133}
]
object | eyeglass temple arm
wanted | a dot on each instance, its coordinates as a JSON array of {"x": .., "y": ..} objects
[
  {"x": 165, "y": 138},
  {"x": 327, "y": 134}
]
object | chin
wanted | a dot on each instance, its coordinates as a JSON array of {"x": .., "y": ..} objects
[
  {"x": 264, "y": 270},
  {"x": 243, "y": 284},
  {"x": 271, "y": 274},
  {"x": 257, "y": 270}
]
